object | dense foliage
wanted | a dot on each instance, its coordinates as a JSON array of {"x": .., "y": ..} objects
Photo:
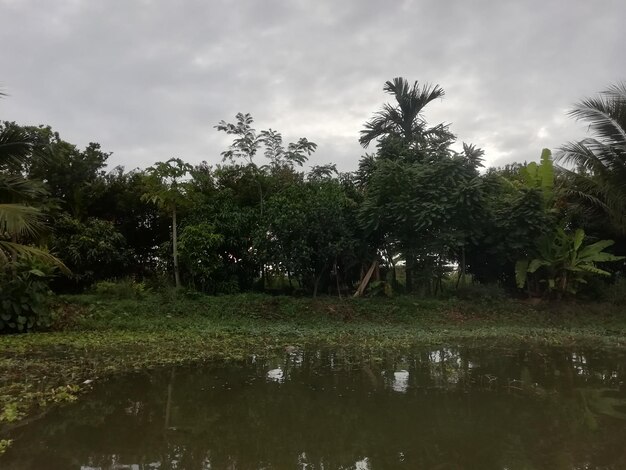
[{"x": 418, "y": 214}]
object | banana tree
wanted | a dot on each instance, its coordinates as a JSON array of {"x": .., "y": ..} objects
[
  {"x": 541, "y": 176},
  {"x": 564, "y": 262}
]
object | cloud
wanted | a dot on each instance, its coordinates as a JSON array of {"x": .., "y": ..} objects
[{"x": 150, "y": 79}]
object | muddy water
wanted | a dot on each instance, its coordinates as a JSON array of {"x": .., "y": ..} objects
[{"x": 445, "y": 408}]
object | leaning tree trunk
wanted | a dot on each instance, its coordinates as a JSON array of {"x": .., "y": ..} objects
[{"x": 175, "y": 247}]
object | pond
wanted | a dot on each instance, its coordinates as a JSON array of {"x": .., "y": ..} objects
[{"x": 444, "y": 408}]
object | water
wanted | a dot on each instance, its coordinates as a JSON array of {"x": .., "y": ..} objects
[{"x": 434, "y": 409}]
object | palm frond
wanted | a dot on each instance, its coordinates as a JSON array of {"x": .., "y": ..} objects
[
  {"x": 15, "y": 145},
  {"x": 405, "y": 117},
  {"x": 9, "y": 249},
  {"x": 20, "y": 221},
  {"x": 15, "y": 188},
  {"x": 600, "y": 161},
  {"x": 606, "y": 118}
]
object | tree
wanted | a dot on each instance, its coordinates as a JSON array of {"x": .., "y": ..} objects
[
  {"x": 426, "y": 210},
  {"x": 92, "y": 248},
  {"x": 518, "y": 207},
  {"x": 167, "y": 189},
  {"x": 116, "y": 198},
  {"x": 199, "y": 251},
  {"x": 405, "y": 119},
  {"x": 247, "y": 142},
  {"x": 419, "y": 194},
  {"x": 24, "y": 268},
  {"x": 307, "y": 230},
  {"x": 21, "y": 221},
  {"x": 597, "y": 182},
  {"x": 69, "y": 173}
]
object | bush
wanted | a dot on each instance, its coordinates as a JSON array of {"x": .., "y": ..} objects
[
  {"x": 24, "y": 295},
  {"x": 121, "y": 289},
  {"x": 230, "y": 286},
  {"x": 93, "y": 250}
]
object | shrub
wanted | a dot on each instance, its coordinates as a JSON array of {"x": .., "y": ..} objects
[
  {"x": 24, "y": 296},
  {"x": 121, "y": 289},
  {"x": 230, "y": 286}
]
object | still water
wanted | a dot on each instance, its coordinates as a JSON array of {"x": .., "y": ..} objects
[{"x": 445, "y": 408}]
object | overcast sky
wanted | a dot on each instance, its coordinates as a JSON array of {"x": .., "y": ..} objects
[{"x": 149, "y": 79}]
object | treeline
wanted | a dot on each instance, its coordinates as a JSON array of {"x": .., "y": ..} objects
[{"x": 414, "y": 213}]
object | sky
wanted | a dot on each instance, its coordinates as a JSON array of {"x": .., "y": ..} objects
[{"x": 149, "y": 79}]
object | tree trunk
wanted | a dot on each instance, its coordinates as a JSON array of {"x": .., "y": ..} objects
[
  {"x": 463, "y": 268},
  {"x": 394, "y": 280},
  {"x": 263, "y": 277},
  {"x": 366, "y": 279},
  {"x": 337, "y": 279},
  {"x": 175, "y": 248},
  {"x": 316, "y": 284},
  {"x": 317, "y": 281}
]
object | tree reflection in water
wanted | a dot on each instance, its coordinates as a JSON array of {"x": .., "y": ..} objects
[{"x": 448, "y": 408}]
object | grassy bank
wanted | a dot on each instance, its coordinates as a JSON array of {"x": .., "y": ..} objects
[{"x": 95, "y": 336}]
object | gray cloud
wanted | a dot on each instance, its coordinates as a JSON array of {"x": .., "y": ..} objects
[{"x": 150, "y": 79}]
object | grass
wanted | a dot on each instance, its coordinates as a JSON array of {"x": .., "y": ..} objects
[{"x": 99, "y": 335}]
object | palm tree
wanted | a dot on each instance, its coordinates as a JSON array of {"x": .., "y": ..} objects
[
  {"x": 20, "y": 220},
  {"x": 599, "y": 181},
  {"x": 405, "y": 119}
]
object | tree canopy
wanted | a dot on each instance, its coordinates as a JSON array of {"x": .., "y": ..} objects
[{"x": 418, "y": 212}]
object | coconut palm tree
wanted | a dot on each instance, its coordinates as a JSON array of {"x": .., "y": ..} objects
[
  {"x": 405, "y": 119},
  {"x": 599, "y": 178},
  {"x": 20, "y": 220}
]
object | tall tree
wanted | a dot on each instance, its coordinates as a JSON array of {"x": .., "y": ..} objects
[
  {"x": 166, "y": 188},
  {"x": 598, "y": 181},
  {"x": 417, "y": 189}
]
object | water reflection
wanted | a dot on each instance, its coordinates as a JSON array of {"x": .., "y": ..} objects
[
  {"x": 275, "y": 375},
  {"x": 446, "y": 408},
  {"x": 400, "y": 382}
]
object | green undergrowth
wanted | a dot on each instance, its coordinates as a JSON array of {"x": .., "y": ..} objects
[{"x": 97, "y": 336}]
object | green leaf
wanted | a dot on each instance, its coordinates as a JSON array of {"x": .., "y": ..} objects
[
  {"x": 595, "y": 248},
  {"x": 536, "y": 264},
  {"x": 602, "y": 257},
  {"x": 592, "y": 269},
  {"x": 579, "y": 236},
  {"x": 521, "y": 272},
  {"x": 546, "y": 174}
]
